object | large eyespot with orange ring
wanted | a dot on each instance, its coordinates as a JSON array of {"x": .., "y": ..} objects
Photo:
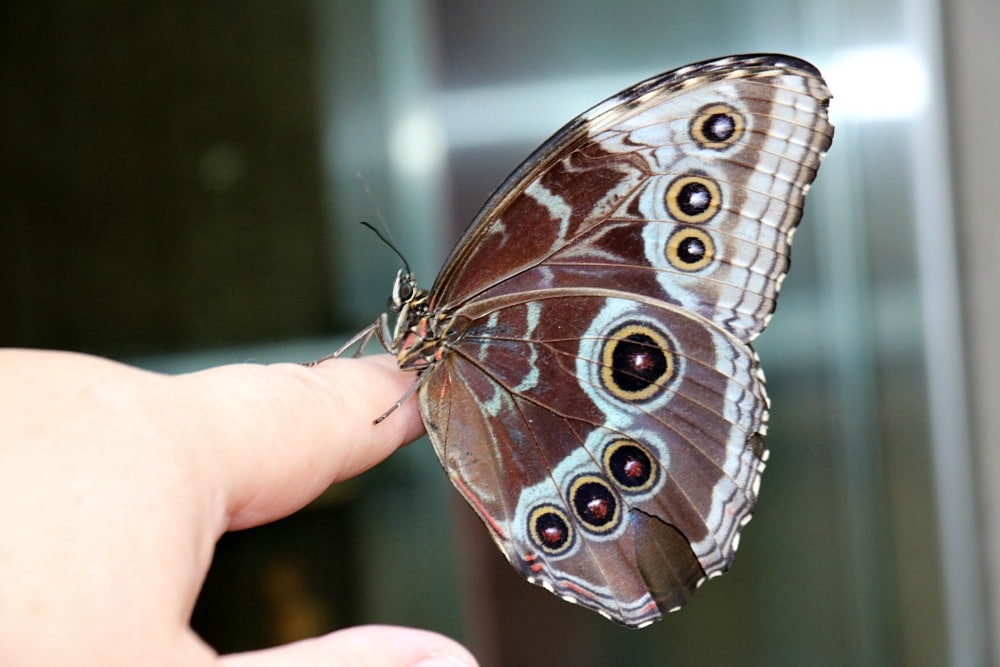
[
  {"x": 717, "y": 126},
  {"x": 550, "y": 529},
  {"x": 631, "y": 466},
  {"x": 637, "y": 362},
  {"x": 693, "y": 198},
  {"x": 690, "y": 249},
  {"x": 595, "y": 504}
]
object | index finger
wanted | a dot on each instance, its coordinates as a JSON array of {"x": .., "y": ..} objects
[{"x": 278, "y": 435}]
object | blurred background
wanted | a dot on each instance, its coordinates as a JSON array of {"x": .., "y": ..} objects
[{"x": 179, "y": 187}]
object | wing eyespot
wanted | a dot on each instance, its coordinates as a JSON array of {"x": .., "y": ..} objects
[
  {"x": 637, "y": 362},
  {"x": 631, "y": 466},
  {"x": 595, "y": 504},
  {"x": 717, "y": 127},
  {"x": 551, "y": 530},
  {"x": 690, "y": 249},
  {"x": 693, "y": 198}
]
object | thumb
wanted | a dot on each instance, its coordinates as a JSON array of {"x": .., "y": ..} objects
[{"x": 364, "y": 646}]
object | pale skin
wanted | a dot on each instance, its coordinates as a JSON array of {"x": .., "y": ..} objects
[{"x": 115, "y": 484}]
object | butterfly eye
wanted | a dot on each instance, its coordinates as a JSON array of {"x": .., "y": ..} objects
[
  {"x": 405, "y": 292},
  {"x": 402, "y": 292}
]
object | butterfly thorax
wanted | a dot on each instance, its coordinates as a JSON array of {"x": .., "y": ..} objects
[{"x": 420, "y": 345}]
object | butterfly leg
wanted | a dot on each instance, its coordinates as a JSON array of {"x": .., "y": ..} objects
[
  {"x": 397, "y": 404},
  {"x": 379, "y": 329}
]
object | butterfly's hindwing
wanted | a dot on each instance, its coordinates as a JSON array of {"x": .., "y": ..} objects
[{"x": 649, "y": 407}]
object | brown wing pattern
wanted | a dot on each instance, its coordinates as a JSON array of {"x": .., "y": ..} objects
[{"x": 587, "y": 379}]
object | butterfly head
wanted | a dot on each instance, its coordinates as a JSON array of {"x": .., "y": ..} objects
[{"x": 412, "y": 335}]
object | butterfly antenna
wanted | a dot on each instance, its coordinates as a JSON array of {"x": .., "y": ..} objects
[
  {"x": 392, "y": 246},
  {"x": 374, "y": 203},
  {"x": 387, "y": 235}
]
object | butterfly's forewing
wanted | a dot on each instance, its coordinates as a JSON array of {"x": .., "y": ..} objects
[
  {"x": 718, "y": 154},
  {"x": 594, "y": 398}
]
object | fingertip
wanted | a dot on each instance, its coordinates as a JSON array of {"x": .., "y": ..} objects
[
  {"x": 356, "y": 378},
  {"x": 276, "y": 436}
]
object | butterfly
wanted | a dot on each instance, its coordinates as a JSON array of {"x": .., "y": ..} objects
[{"x": 583, "y": 360}]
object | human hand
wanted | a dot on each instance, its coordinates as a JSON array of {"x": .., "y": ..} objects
[{"x": 115, "y": 484}]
